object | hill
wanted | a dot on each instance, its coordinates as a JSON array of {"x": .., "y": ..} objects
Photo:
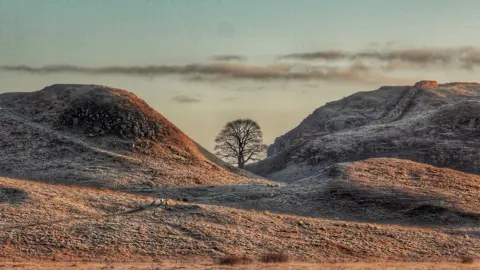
[
  {"x": 382, "y": 190},
  {"x": 92, "y": 173},
  {"x": 100, "y": 136},
  {"x": 437, "y": 124}
]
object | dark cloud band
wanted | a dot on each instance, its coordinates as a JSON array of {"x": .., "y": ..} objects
[
  {"x": 401, "y": 58},
  {"x": 353, "y": 73},
  {"x": 228, "y": 58}
]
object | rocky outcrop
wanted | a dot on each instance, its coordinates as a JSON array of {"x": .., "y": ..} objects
[
  {"x": 109, "y": 118},
  {"x": 426, "y": 84},
  {"x": 439, "y": 126}
]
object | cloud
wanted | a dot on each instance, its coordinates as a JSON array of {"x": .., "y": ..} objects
[
  {"x": 186, "y": 99},
  {"x": 228, "y": 58},
  {"x": 418, "y": 56},
  {"x": 221, "y": 71},
  {"x": 409, "y": 58},
  {"x": 325, "y": 55},
  {"x": 472, "y": 57},
  {"x": 375, "y": 65}
]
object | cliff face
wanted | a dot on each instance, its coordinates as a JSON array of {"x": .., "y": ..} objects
[{"x": 429, "y": 122}]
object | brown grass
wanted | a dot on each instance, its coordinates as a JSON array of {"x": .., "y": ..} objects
[
  {"x": 84, "y": 224},
  {"x": 462, "y": 188},
  {"x": 233, "y": 259},
  {"x": 204, "y": 265},
  {"x": 275, "y": 257}
]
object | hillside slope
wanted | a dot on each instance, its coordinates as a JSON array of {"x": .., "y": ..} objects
[
  {"x": 65, "y": 223},
  {"x": 382, "y": 190},
  {"x": 437, "y": 124},
  {"x": 100, "y": 136}
]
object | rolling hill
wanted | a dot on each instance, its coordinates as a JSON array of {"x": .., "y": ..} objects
[
  {"x": 103, "y": 137},
  {"x": 431, "y": 123}
]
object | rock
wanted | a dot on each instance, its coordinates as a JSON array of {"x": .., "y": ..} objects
[
  {"x": 96, "y": 129},
  {"x": 426, "y": 84}
]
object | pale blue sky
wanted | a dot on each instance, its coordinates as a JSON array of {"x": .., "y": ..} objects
[
  {"x": 92, "y": 32},
  {"x": 96, "y": 33}
]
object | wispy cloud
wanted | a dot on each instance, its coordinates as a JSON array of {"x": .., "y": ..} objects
[
  {"x": 186, "y": 99},
  {"x": 401, "y": 58},
  {"x": 375, "y": 65},
  {"x": 325, "y": 55},
  {"x": 220, "y": 71},
  {"x": 228, "y": 58}
]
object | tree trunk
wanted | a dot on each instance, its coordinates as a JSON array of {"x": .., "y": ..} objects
[{"x": 241, "y": 161}]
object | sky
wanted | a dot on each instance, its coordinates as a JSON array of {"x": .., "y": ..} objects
[{"x": 202, "y": 63}]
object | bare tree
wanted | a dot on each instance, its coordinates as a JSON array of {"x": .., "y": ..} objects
[{"x": 240, "y": 141}]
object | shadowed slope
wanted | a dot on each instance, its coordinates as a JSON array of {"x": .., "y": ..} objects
[{"x": 380, "y": 190}]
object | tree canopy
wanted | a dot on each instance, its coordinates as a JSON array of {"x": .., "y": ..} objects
[{"x": 240, "y": 141}]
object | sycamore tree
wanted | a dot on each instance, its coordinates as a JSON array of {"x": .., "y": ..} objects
[{"x": 239, "y": 142}]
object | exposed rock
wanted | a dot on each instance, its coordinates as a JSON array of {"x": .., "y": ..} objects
[
  {"x": 92, "y": 114},
  {"x": 426, "y": 84}
]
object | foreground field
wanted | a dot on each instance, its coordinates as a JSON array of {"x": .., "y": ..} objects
[
  {"x": 170, "y": 265},
  {"x": 63, "y": 223}
]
